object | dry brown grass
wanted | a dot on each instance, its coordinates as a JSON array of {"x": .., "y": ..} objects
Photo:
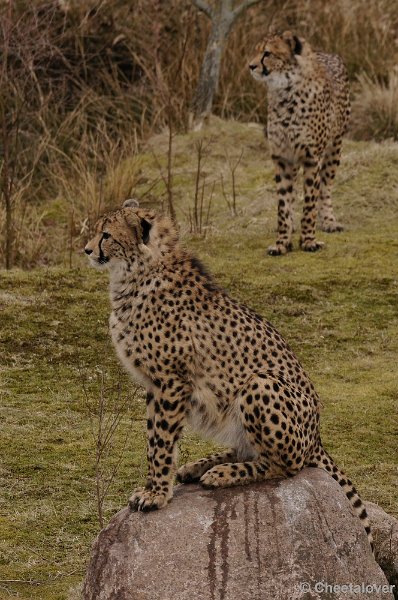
[
  {"x": 83, "y": 83},
  {"x": 375, "y": 108}
]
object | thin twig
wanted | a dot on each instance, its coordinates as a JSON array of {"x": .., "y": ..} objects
[
  {"x": 105, "y": 415},
  {"x": 209, "y": 205},
  {"x": 233, "y": 168},
  {"x": 199, "y": 156},
  {"x": 225, "y": 196},
  {"x": 169, "y": 171}
]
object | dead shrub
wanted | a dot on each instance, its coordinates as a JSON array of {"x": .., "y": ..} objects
[{"x": 375, "y": 108}]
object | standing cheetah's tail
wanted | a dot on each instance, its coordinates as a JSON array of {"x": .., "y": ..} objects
[{"x": 322, "y": 460}]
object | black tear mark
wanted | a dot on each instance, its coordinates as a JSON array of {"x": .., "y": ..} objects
[
  {"x": 146, "y": 228},
  {"x": 298, "y": 46},
  {"x": 102, "y": 258}
]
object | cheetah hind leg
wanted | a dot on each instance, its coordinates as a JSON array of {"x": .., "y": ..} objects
[
  {"x": 277, "y": 454},
  {"x": 242, "y": 473},
  {"x": 193, "y": 471},
  {"x": 331, "y": 161}
]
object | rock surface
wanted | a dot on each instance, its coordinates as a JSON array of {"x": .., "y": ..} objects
[
  {"x": 385, "y": 535},
  {"x": 279, "y": 540}
]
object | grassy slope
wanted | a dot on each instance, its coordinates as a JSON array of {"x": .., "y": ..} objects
[{"x": 338, "y": 309}]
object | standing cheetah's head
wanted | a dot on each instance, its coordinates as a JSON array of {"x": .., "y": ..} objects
[
  {"x": 276, "y": 55},
  {"x": 121, "y": 236}
]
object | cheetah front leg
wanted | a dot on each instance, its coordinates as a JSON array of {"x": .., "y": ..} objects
[
  {"x": 193, "y": 471},
  {"x": 150, "y": 408},
  {"x": 164, "y": 429},
  {"x": 311, "y": 197},
  {"x": 285, "y": 176}
]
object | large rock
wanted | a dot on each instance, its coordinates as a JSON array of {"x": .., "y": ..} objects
[
  {"x": 283, "y": 539},
  {"x": 385, "y": 534}
]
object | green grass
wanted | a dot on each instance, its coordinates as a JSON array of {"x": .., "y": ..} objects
[{"x": 338, "y": 309}]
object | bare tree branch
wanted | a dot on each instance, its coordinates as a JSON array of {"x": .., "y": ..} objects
[
  {"x": 204, "y": 7},
  {"x": 244, "y": 6}
]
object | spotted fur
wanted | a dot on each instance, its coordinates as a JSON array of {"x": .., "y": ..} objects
[
  {"x": 308, "y": 112},
  {"x": 205, "y": 360}
]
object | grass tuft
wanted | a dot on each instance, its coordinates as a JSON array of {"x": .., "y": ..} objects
[{"x": 375, "y": 108}]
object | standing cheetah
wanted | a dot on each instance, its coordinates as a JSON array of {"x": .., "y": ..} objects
[
  {"x": 205, "y": 360},
  {"x": 308, "y": 111}
]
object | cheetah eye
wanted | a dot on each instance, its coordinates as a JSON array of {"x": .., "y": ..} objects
[
  {"x": 106, "y": 235},
  {"x": 266, "y": 53}
]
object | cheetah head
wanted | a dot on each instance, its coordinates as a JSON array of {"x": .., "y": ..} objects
[
  {"x": 121, "y": 236},
  {"x": 277, "y": 55}
]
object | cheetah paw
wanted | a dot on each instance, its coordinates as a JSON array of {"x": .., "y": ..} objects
[
  {"x": 189, "y": 473},
  {"x": 146, "y": 500},
  {"x": 311, "y": 246},
  {"x": 332, "y": 227},
  {"x": 214, "y": 478},
  {"x": 279, "y": 249}
]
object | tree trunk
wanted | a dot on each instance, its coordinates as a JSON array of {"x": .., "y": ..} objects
[
  {"x": 222, "y": 16},
  {"x": 210, "y": 70}
]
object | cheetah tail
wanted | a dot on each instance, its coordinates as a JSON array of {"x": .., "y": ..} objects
[{"x": 322, "y": 460}]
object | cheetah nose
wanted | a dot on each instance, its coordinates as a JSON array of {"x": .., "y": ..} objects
[
  {"x": 88, "y": 251},
  {"x": 252, "y": 67}
]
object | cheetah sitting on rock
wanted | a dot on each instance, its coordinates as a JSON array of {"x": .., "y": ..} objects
[
  {"x": 308, "y": 111},
  {"x": 205, "y": 360}
]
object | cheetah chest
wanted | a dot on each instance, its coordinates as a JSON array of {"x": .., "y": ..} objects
[{"x": 125, "y": 351}]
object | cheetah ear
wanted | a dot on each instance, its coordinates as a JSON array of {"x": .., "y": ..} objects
[
  {"x": 145, "y": 228},
  {"x": 293, "y": 42},
  {"x": 132, "y": 221},
  {"x": 139, "y": 226}
]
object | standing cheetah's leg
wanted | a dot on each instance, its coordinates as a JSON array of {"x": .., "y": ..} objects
[
  {"x": 328, "y": 171},
  {"x": 277, "y": 418},
  {"x": 285, "y": 176},
  {"x": 295, "y": 178},
  {"x": 169, "y": 412},
  {"x": 311, "y": 197},
  {"x": 193, "y": 471}
]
